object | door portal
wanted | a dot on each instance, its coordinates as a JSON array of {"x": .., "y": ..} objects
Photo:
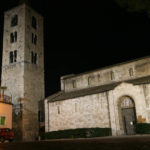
[{"x": 128, "y": 115}]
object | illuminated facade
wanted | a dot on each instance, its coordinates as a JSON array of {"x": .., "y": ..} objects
[
  {"x": 5, "y": 112},
  {"x": 113, "y": 97},
  {"x": 23, "y": 67}
]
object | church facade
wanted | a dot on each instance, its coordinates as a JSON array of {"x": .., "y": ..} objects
[{"x": 113, "y": 97}]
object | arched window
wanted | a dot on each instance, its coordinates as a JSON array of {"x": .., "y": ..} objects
[
  {"x": 13, "y": 56},
  {"x": 14, "y": 20},
  {"x": 13, "y": 37},
  {"x": 127, "y": 102}
]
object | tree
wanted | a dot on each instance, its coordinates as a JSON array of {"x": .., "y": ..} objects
[{"x": 135, "y": 5}]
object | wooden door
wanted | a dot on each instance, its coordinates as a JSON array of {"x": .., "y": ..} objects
[{"x": 129, "y": 120}]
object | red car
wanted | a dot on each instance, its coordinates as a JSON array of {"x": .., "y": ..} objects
[{"x": 6, "y": 134}]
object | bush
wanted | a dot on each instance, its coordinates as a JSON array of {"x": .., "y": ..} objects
[
  {"x": 78, "y": 133},
  {"x": 143, "y": 128}
]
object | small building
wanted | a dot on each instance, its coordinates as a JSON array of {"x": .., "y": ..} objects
[
  {"x": 5, "y": 112},
  {"x": 113, "y": 97}
]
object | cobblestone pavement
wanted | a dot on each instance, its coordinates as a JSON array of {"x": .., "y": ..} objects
[{"x": 106, "y": 143}]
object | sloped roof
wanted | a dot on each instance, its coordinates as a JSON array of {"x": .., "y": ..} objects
[{"x": 94, "y": 90}]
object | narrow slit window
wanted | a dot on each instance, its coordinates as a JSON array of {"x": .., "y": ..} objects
[
  {"x": 76, "y": 107},
  {"x": 11, "y": 38},
  {"x": 99, "y": 77},
  {"x": 131, "y": 72},
  {"x": 74, "y": 84},
  {"x": 33, "y": 58},
  {"x": 15, "y": 56},
  {"x": 58, "y": 109},
  {"x": 15, "y": 35},
  {"x": 89, "y": 80},
  {"x": 34, "y": 38},
  {"x": 112, "y": 75},
  {"x": 11, "y": 57}
]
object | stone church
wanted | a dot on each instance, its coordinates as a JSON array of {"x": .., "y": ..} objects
[
  {"x": 113, "y": 97},
  {"x": 23, "y": 67}
]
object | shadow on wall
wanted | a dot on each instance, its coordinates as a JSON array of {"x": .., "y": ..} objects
[{"x": 17, "y": 125}]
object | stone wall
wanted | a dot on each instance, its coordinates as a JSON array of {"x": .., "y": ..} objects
[
  {"x": 98, "y": 110},
  {"x": 103, "y": 109},
  {"x": 137, "y": 95},
  {"x": 23, "y": 79},
  {"x": 83, "y": 112},
  {"x": 121, "y": 72},
  {"x": 33, "y": 75},
  {"x": 12, "y": 74}
]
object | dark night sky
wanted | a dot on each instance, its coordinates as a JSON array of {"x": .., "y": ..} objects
[{"x": 83, "y": 36}]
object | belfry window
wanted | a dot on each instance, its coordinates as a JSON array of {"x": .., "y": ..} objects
[
  {"x": 13, "y": 56},
  {"x": 13, "y": 37},
  {"x": 34, "y": 22},
  {"x": 34, "y": 38},
  {"x": 14, "y": 20},
  {"x": 33, "y": 58}
]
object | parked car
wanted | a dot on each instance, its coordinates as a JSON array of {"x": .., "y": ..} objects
[{"x": 6, "y": 134}]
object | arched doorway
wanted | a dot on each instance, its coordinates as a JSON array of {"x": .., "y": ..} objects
[{"x": 128, "y": 115}]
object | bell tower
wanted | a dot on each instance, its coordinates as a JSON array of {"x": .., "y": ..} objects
[{"x": 23, "y": 67}]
